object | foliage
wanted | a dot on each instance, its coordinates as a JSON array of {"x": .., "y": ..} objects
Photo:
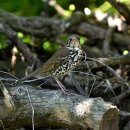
[{"x": 3, "y": 41}]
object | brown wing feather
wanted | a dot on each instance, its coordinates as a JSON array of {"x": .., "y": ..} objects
[{"x": 57, "y": 59}]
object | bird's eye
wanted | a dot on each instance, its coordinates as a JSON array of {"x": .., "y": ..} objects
[{"x": 70, "y": 40}]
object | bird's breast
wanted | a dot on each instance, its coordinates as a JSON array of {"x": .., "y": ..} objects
[{"x": 74, "y": 57}]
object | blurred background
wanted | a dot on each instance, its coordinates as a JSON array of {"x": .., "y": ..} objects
[
  {"x": 36, "y": 7},
  {"x": 100, "y": 13}
]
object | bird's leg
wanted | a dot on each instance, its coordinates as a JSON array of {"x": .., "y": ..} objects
[
  {"x": 64, "y": 90},
  {"x": 61, "y": 86},
  {"x": 77, "y": 85}
]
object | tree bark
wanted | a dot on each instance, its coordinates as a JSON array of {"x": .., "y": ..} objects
[{"x": 52, "y": 108}]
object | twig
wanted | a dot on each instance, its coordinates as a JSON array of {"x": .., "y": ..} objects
[
  {"x": 58, "y": 8},
  {"x": 111, "y": 71},
  {"x": 77, "y": 85},
  {"x": 3, "y": 72},
  {"x": 27, "y": 81},
  {"x": 2, "y": 124},
  {"x": 31, "y": 107},
  {"x": 110, "y": 87},
  {"x": 121, "y": 96},
  {"x": 124, "y": 113}
]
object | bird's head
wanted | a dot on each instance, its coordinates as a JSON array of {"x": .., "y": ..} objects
[{"x": 73, "y": 42}]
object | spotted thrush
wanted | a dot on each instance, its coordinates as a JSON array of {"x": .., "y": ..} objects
[{"x": 62, "y": 62}]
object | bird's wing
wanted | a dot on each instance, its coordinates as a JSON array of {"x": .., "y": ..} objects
[{"x": 56, "y": 60}]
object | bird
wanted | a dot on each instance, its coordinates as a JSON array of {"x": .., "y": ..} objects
[{"x": 61, "y": 63}]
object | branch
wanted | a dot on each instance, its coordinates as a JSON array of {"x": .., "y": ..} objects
[
  {"x": 97, "y": 32},
  {"x": 52, "y": 108},
  {"x": 41, "y": 26},
  {"x": 111, "y": 61},
  {"x": 12, "y": 35}
]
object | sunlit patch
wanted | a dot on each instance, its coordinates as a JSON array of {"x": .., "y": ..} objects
[
  {"x": 46, "y": 45},
  {"x": 67, "y": 13},
  {"x": 115, "y": 21},
  {"x": 87, "y": 11},
  {"x": 82, "y": 40},
  {"x": 125, "y": 52},
  {"x": 20, "y": 35},
  {"x": 14, "y": 56},
  {"x": 99, "y": 15},
  {"x": 82, "y": 107},
  {"x": 72, "y": 7},
  {"x": 27, "y": 39}
]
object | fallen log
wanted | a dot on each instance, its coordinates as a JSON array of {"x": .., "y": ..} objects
[{"x": 53, "y": 108}]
